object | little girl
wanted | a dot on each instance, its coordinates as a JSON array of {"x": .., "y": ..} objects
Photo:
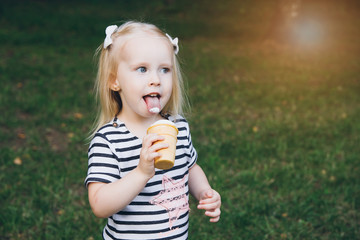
[{"x": 138, "y": 83}]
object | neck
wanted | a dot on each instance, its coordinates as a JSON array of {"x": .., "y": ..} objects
[{"x": 136, "y": 124}]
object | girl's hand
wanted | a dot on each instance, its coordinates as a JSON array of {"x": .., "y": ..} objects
[
  {"x": 148, "y": 153},
  {"x": 210, "y": 201}
]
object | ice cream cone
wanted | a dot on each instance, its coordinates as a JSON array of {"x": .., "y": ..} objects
[{"x": 169, "y": 131}]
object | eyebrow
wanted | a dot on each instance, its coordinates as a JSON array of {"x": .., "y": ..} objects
[{"x": 136, "y": 64}]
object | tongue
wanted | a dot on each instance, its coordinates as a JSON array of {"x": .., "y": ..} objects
[{"x": 153, "y": 104}]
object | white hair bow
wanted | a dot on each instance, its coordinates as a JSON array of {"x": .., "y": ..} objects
[
  {"x": 174, "y": 42},
  {"x": 109, "y": 31}
]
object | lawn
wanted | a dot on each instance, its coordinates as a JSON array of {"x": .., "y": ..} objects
[{"x": 275, "y": 119}]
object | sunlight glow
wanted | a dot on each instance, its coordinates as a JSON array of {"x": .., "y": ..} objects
[{"x": 308, "y": 32}]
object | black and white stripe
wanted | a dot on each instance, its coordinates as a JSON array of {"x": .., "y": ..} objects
[{"x": 113, "y": 153}]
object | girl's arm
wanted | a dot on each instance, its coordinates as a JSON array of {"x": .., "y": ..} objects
[
  {"x": 107, "y": 199},
  {"x": 208, "y": 198}
]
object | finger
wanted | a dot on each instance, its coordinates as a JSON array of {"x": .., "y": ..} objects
[
  {"x": 153, "y": 155},
  {"x": 149, "y": 150},
  {"x": 209, "y": 206},
  {"x": 213, "y": 214},
  {"x": 209, "y": 194},
  {"x": 158, "y": 146},
  {"x": 215, "y": 219},
  {"x": 207, "y": 201},
  {"x": 150, "y": 139},
  {"x": 215, "y": 198},
  {"x": 206, "y": 194},
  {"x": 147, "y": 142}
]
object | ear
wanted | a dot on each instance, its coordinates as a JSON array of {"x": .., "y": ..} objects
[{"x": 114, "y": 83}]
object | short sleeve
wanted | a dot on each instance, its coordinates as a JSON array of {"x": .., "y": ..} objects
[
  {"x": 192, "y": 150},
  {"x": 102, "y": 162}
]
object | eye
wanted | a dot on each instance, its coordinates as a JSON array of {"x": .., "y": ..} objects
[
  {"x": 141, "y": 69},
  {"x": 165, "y": 70}
]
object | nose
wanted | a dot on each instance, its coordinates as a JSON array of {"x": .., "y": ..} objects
[{"x": 154, "y": 79}]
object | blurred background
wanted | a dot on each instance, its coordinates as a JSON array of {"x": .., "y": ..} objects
[{"x": 274, "y": 88}]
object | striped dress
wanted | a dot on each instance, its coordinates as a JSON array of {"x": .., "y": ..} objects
[{"x": 161, "y": 210}]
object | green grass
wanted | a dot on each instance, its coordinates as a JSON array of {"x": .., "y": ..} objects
[{"x": 276, "y": 125}]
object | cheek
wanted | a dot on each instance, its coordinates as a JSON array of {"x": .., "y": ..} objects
[
  {"x": 169, "y": 92},
  {"x": 169, "y": 85}
]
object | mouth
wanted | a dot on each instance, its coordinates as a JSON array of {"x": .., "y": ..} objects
[{"x": 152, "y": 101}]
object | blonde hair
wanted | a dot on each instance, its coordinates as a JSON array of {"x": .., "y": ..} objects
[{"x": 109, "y": 101}]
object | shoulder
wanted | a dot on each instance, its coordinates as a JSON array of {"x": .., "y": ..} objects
[
  {"x": 109, "y": 132},
  {"x": 182, "y": 125},
  {"x": 179, "y": 120}
]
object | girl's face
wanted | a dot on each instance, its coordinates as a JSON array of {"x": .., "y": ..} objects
[{"x": 144, "y": 76}]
